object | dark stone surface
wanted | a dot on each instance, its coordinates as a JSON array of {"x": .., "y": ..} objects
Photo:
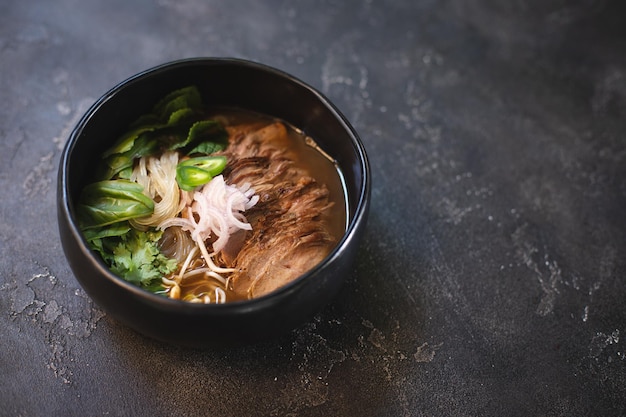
[{"x": 492, "y": 279}]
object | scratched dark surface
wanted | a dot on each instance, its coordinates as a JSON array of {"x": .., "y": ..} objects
[{"x": 492, "y": 277}]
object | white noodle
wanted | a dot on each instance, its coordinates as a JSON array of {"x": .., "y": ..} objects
[
  {"x": 209, "y": 260},
  {"x": 192, "y": 253},
  {"x": 220, "y": 296},
  {"x": 158, "y": 177}
]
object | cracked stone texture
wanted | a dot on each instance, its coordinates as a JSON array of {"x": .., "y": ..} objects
[{"x": 492, "y": 277}]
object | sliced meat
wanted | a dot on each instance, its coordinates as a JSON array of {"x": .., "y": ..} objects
[{"x": 289, "y": 232}]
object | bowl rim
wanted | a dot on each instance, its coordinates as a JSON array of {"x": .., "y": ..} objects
[{"x": 68, "y": 211}]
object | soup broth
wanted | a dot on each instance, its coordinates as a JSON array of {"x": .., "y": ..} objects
[{"x": 212, "y": 206}]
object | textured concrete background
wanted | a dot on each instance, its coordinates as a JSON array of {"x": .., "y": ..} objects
[{"x": 492, "y": 277}]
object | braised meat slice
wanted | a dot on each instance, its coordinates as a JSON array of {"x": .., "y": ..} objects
[{"x": 289, "y": 232}]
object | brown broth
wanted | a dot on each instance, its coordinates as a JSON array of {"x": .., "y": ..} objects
[{"x": 310, "y": 157}]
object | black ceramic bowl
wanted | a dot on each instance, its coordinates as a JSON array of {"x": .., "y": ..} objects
[{"x": 224, "y": 82}]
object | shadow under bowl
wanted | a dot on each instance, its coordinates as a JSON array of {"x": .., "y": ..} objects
[{"x": 222, "y": 82}]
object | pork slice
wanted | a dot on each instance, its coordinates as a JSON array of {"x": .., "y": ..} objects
[
  {"x": 289, "y": 237},
  {"x": 275, "y": 257},
  {"x": 233, "y": 246},
  {"x": 265, "y": 141},
  {"x": 289, "y": 232},
  {"x": 274, "y": 268}
]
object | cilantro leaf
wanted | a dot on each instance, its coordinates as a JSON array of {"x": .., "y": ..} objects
[{"x": 136, "y": 257}]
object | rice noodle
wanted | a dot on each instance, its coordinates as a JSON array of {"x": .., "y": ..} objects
[{"x": 158, "y": 177}]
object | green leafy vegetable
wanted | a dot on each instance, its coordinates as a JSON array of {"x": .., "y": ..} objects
[
  {"x": 180, "y": 116},
  {"x": 135, "y": 256},
  {"x": 127, "y": 141},
  {"x": 187, "y": 97},
  {"x": 207, "y": 148},
  {"x": 194, "y": 172},
  {"x": 174, "y": 123},
  {"x": 177, "y": 108},
  {"x": 203, "y": 131},
  {"x": 113, "y": 230},
  {"x": 120, "y": 164},
  {"x": 105, "y": 207},
  {"x": 112, "y": 201}
]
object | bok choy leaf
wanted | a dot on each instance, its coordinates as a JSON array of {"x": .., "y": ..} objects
[{"x": 112, "y": 201}]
